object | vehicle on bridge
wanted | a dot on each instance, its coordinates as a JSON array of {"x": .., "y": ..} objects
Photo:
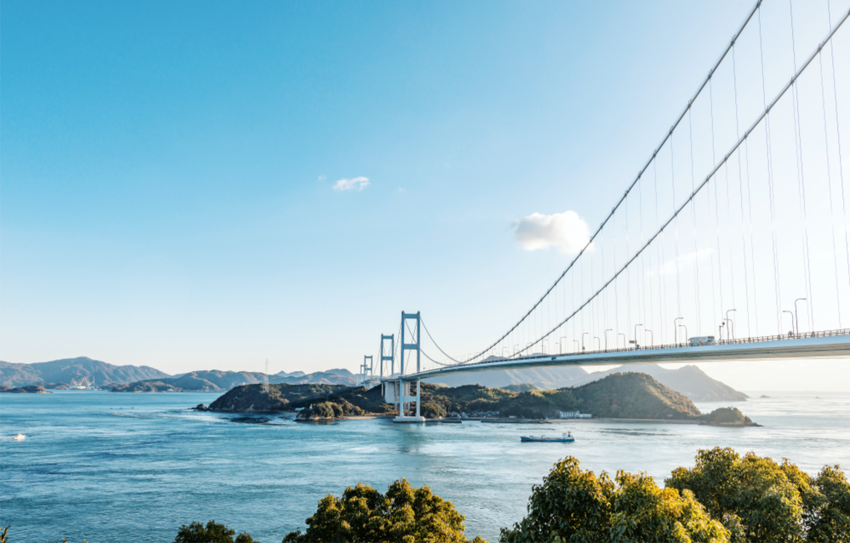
[{"x": 701, "y": 340}]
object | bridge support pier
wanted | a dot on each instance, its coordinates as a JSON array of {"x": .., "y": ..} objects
[{"x": 406, "y": 398}]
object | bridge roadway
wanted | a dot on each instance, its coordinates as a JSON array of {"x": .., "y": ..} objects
[{"x": 831, "y": 344}]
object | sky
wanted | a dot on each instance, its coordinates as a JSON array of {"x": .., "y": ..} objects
[{"x": 213, "y": 185}]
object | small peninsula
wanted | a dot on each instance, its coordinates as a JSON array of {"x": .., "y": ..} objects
[
  {"x": 622, "y": 396},
  {"x": 30, "y": 389}
]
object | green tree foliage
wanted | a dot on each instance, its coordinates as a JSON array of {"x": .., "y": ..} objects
[
  {"x": 759, "y": 500},
  {"x": 404, "y": 515},
  {"x": 573, "y": 505},
  {"x": 213, "y": 532},
  {"x": 433, "y": 410}
]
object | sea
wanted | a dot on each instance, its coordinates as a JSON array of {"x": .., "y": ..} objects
[{"x": 115, "y": 467}]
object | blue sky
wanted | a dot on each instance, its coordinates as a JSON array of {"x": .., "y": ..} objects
[{"x": 168, "y": 169}]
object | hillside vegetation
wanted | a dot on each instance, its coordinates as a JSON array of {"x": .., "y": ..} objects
[
  {"x": 621, "y": 395},
  {"x": 341, "y": 400}
]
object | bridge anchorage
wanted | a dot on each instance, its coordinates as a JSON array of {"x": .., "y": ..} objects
[{"x": 731, "y": 243}]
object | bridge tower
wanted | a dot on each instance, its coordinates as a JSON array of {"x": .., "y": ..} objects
[
  {"x": 410, "y": 341},
  {"x": 367, "y": 369},
  {"x": 387, "y": 357}
]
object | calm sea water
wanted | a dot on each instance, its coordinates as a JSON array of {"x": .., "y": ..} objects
[{"x": 111, "y": 467}]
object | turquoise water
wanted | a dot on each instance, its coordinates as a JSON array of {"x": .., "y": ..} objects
[{"x": 110, "y": 467}]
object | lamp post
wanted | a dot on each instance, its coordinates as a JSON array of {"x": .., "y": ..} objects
[
  {"x": 606, "y": 338},
  {"x": 686, "y": 331},
  {"x": 796, "y": 316},
  {"x": 576, "y": 342},
  {"x": 598, "y": 343},
  {"x": 582, "y": 339},
  {"x": 676, "y": 329},
  {"x": 732, "y": 329},
  {"x": 625, "y": 342},
  {"x": 651, "y": 336},
  {"x": 561, "y": 344},
  {"x": 637, "y": 346},
  {"x": 720, "y": 330},
  {"x": 793, "y": 324}
]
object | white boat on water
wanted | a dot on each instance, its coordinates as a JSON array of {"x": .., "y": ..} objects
[
  {"x": 19, "y": 437},
  {"x": 565, "y": 438}
]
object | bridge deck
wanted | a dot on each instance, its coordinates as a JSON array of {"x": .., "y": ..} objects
[{"x": 818, "y": 345}]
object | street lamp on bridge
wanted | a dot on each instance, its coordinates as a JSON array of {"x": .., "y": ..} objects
[
  {"x": 686, "y": 331},
  {"x": 732, "y": 329},
  {"x": 637, "y": 346},
  {"x": 796, "y": 316},
  {"x": 576, "y": 342},
  {"x": 651, "y": 336},
  {"x": 582, "y": 339},
  {"x": 676, "y": 329},
  {"x": 625, "y": 343},
  {"x": 606, "y": 338},
  {"x": 793, "y": 324},
  {"x": 598, "y": 343}
]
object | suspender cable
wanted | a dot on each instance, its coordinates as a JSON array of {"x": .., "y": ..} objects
[
  {"x": 829, "y": 184},
  {"x": 716, "y": 205},
  {"x": 661, "y": 262},
  {"x": 741, "y": 193},
  {"x": 801, "y": 176},
  {"x": 694, "y": 229},
  {"x": 675, "y": 238},
  {"x": 752, "y": 244},
  {"x": 769, "y": 152},
  {"x": 838, "y": 139}
]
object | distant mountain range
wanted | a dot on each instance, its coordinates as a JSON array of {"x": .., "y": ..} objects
[
  {"x": 688, "y": 380},
  {"x": 73, "y": 370},
  {"x": 215, "y": 380},
  {"x": 84, "y": 370}
]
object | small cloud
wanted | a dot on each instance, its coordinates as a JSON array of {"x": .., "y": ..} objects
[
  {"x": 321, "y": 178},
  {"x": 358, "y": 183},
  {"x": 687, "y": 259},
  {"x": 400, "y": 189},
  {"x": 565, "y": 231}
]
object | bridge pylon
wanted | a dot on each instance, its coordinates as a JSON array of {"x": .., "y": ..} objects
[
  {"x": 400, "y": 390},
  {"x": 367, "y": 370}
]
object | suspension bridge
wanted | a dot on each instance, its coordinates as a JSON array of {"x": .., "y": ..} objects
[{"x": 731, "y": 242}]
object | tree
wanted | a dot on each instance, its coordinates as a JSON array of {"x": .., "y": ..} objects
[
  {"x": 213, "y": 532},
  {"x": 574, "y": 505},
  {"x": 404, "y": 515},
  {"x": 831, "y": 521},
  {"x": 759, "y": 500}
]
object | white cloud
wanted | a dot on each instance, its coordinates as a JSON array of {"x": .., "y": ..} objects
[
  {"x": 565, "y": 231},
  {"x": 321, "y": 178},
  {"x": 358, "y": 183},
  {"x": 669, "y": 267}
]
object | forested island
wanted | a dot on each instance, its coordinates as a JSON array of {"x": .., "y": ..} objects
[{"x": 618, "y": 396}]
